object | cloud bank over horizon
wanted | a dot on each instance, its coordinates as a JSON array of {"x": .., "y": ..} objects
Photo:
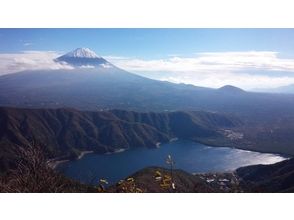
[
  {"x": 29, "y": 60},
  {"x": 245, "y": 69}
]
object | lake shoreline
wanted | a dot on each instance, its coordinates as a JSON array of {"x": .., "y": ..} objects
[
  {"x": 83, "y": 153},
  {"x": 55, "y": 162}
]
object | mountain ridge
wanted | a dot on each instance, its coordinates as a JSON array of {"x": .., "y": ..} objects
[{"x": 288, "y": 89}]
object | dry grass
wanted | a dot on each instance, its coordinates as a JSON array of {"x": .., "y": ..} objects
[{"x": 33, "y": 175}]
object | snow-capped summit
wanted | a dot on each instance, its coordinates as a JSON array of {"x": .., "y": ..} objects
[
  {"x": 82, "y": 53},
  {"x": 84, "y": 57}
]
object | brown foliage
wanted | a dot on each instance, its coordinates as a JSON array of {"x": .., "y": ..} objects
[{"x": 32, "y": 174}]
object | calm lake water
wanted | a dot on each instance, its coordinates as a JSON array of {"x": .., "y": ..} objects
[{"x": 189, "y": 156}]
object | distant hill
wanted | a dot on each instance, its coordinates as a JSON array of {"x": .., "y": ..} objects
[
  {"x": 64, "y": 133},
  {"x": 230, "y": 89},
  {"x": 282, "y": 90}
]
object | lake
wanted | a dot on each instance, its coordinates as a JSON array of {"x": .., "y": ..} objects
[{"x": 189, "y": 156}]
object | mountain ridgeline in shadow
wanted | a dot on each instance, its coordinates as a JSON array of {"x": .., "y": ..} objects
[
  {"x": 64, "y": 133},
  {"x": 278, "y": 177}
]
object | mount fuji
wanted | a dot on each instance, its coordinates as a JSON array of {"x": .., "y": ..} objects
[{"x": 83, "y": 57}]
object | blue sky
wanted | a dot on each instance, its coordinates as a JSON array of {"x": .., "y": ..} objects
[
  {"x": 205, "y": 57},
  {"x": 149, "y": 43}
]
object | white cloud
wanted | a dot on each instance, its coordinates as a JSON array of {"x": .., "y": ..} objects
[
  {"x": 249, "y": 69},
  {"x": 27, "y": 44},
  {"x": 245, "y": 81},
  {"x": 29, "y": 60},
  {"x": 210, "y": 61},
  {"x": 105, "y": 65},
  {"x": 87, "y": 67}
]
